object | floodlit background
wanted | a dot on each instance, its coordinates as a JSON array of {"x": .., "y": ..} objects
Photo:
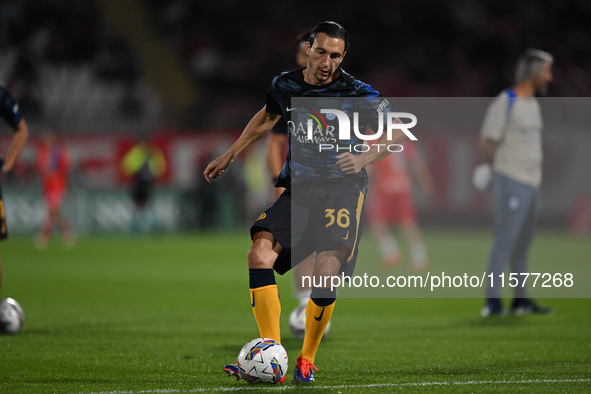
[{"x": 188, "y": 75}]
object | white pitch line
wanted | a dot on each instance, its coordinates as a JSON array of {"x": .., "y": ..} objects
[{"x": 347, "y": 386}]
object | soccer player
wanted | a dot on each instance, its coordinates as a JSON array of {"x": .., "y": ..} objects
[
  {"x": 145, "y": 162},
  {"x": 343, "y": 191},
  {"x": 10, "y": 112},
  {"x": 511, "y": 143},
  {"x": 276, "y": 142},
  {"x": 53, "y": 165},
  {"x": 391, "y": 204}
]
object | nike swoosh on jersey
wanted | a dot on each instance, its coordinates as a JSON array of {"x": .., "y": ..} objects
[
  {"x": 320, "y": 317},
  {"x": 346, "y": 236},
  {"x": 290, "y": 109}
]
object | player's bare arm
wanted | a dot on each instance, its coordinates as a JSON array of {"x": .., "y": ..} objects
[
  {"x": 352, "y": 164},
  {"x": 275, "y": 153},
  {"x": 488, "y": 148},
  {"x": 260, "y": 124},
  {"x": 20, "y": 136}
]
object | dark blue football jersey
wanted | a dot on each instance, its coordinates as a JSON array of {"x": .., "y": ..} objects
[
  {"x": 315, "y": 159},
  {"x": 280, "y": 127},
  {"x": 8, "y": 107}
]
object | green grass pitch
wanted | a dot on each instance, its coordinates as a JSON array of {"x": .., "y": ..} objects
[{"x": 164, "y": 314}]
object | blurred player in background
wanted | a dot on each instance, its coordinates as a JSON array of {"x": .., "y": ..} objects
[
  {"x": 390, "y": 203},
  {"x": 511, "y": 144},
  {"x": 53, "y": 165},
  {"x": 276, "y": 147},
  {"x": 10, "y": 112},
  {"x": 144, "y": 163},
  {"x": 335, "y": 246}
]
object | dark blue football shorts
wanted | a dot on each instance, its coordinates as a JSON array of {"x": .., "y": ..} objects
[{"x": 314, "y": 217}]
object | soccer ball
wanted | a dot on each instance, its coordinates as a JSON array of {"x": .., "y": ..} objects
[
  {"x": 297, "y": 323},
  {"x": 263, "y": 360},
  {"x": 11, "y": 316}
]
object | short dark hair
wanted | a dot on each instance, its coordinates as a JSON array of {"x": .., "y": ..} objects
[{"x": 331, "y": 29}]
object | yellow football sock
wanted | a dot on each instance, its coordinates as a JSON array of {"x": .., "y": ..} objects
[
  {"x": 317, "y": 317},
  {"x": 267, "y": 311}
]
